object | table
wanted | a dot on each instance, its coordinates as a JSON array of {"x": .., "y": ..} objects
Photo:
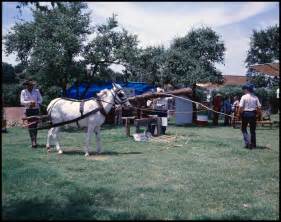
[
  {"x": 148, "y": 122},
  {"x": 127, "y": 123}
]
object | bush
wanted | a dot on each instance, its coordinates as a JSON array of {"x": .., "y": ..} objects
[
  {"x": 230, "y": 90},
  {"x": 267, "y": 97},
  {"x": 11, "y": 94}
]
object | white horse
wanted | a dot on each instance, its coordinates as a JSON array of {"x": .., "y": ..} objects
[{"x": 61, "y": 110}]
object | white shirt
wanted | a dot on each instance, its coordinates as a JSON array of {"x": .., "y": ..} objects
[
  {"x": 277, "y": 93},
  {"x": 249, "y": 102},
  {"x": 236, "y": 103},
  {"x": 26, "y": 97}
]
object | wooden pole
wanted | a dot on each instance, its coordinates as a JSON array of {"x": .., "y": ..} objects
[{"x": 183, "y": 91}]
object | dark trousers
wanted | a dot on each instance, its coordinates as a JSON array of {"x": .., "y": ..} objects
[
  {"x": 227, "y": 119},
  {"x": 249, "y": 117},
  {"x": 159, "y": 113},
  {"x": 32, "y": 128},
  {"x": 215, "y": 119}
]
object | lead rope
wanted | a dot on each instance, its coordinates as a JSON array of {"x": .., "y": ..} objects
[{"x": 168, "y": 94}]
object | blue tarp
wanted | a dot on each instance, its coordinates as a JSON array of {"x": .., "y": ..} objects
[{"x": 76, "y": 92}]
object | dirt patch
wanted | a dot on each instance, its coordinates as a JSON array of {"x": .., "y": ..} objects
[
  {"x": 164, "y": 139},
  {"x": 97, "y": 157}
]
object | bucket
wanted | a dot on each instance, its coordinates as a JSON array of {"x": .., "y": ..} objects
[
  {"x": 202, "y": 120},
  {"x": 164, "y": 121}
]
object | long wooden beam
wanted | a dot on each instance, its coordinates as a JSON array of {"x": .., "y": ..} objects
[{"x": 183, "y": 92}]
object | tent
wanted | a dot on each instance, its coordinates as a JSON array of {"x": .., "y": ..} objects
[{"x": 88, "y": 90}]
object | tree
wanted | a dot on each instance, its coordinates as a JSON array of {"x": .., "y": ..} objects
[
  {"x": 110, "y": 46},
  {"x": 8, "y": 73},
  {"x": 147, "y": 66},
  {"x": 192, "y": 58},
  {"x": 264, "y": 48},
  {"x": 48, "y": 45}
]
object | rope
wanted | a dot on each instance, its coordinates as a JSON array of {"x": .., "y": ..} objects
[
  {"x": 144, "y": 109},
  {"x": 168, "y": 94}
]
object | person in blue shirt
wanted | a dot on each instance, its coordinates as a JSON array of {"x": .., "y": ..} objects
[{"x": 227, "y": 111}]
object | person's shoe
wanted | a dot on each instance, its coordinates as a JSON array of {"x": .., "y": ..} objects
[
  {"x": 247, "y": 146},
  {"x": 48, "y": 149},
  {"x": 33, "y": 144}
]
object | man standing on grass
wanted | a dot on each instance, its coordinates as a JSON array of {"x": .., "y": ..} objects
[
  {"x": 227, "y": 111},
  {"x": 31, "y": 99},
  {"x": 249, "y": 107},
  {"x": 217, "y": 107}
]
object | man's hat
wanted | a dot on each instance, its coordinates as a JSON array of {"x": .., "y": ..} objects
[
  {"x": 28, "y": 82},
  {"x": 249, "y": 87}
]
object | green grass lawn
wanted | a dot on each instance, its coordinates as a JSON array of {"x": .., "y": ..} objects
[{"x": 205, "y": 174}]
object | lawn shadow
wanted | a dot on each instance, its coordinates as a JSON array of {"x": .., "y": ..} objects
[
  {"x": 41, "y": 145},
  {"x": 103, "y": 153},
  {"x": 73, "y": 129},
  {"x": 223, "y": 218},
  {"x": 193, "y": 125},
  {"x": 79, "y": 205},
  {"x": 261, "y": 147}
]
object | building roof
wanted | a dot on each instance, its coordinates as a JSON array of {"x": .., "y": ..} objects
[
  {"x": 228, "y": 80},
  {"x": 271, "y": 69},
  {"x": 234, "y": 80}
]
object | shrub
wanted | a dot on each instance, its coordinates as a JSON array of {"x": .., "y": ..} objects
[{"x": 11, "y": 94}]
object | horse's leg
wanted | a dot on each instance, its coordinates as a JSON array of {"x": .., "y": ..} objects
[
  {"x": 49, "y": 139},
  {"x": 55, "y": 135},
  {"x": 97, "y": 132},
  {"x": 88, "y": 139}
]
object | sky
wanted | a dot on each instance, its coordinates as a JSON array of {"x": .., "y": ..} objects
[{"x": 157, "y": 23}]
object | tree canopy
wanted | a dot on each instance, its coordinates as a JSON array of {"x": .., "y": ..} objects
[
  {"x": 192, "y": 58},
  {"x": 49, "y": 44},
  {"x": 110, "y": 46},
  {"x": 8, "y": 73},
  {"x": 264, "y": 48},
  {"x": 59, "y": 45}
]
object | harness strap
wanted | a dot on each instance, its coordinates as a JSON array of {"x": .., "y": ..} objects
[
  {"x": 81, "y": 109},
  {"x": 70, "y": 121},
  {"x": 102, "y": 111}
]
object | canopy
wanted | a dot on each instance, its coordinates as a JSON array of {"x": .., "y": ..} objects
[{"x": 88, "y": 90}]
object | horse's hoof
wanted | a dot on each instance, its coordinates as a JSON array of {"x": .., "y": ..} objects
[
  {"x": 87, "y": 154},
  {"x": 60, "y": 152}
]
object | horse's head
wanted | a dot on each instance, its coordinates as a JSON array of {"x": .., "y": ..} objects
[{"x": 119, "y": 95}]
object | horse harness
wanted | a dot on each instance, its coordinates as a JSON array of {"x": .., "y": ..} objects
[
  {"x": 100, "y": 109},
  {"x": 81, "y": 110}
]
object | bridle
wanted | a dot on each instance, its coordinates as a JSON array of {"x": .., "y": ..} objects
[{"x": 116, "y": 98}]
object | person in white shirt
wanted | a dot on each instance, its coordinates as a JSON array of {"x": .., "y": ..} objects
[
  {"x": 249, "y": 107},
  {"x": 31, "y": 98},
  {"x": 235, "y": 104}
]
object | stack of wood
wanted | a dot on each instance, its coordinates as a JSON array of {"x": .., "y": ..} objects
[
  {"x": 141, "y": 100},
  {"x": 178, "y": 92}
]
